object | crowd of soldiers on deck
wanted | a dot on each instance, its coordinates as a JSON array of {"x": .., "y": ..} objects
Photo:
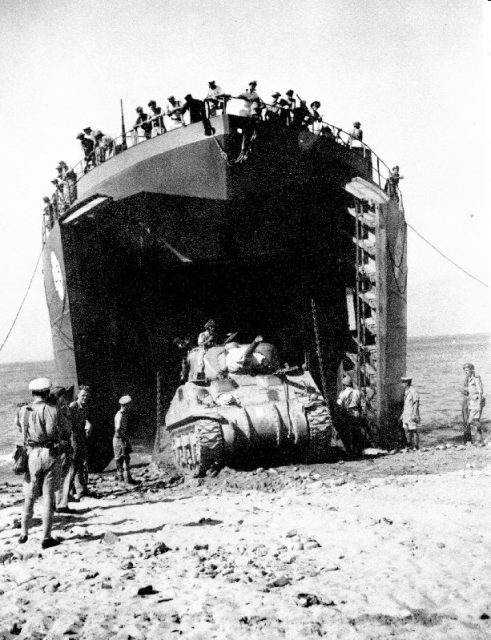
[{"x": 288, "y": 110}]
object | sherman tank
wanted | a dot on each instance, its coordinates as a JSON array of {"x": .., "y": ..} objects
[{"x": 237, "y": 408}]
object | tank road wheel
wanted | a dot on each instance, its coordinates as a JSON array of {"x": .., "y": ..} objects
[
  {"x": 198, "y": 448},
  {"x": 321, "y": 431}
]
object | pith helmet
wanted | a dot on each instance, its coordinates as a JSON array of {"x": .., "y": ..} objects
[
  {"x": 40, "y": 384},
  {"x": 315, "y": 105},
  {"x": 124, "y": 400}
]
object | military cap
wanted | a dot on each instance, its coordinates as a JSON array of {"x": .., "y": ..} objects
[
  {"x": 290, "y": 92},
  {"x": 139, "y": 109},
  {"x": 152, "y": 103},
  {"x": 46, "y": 199},
  {"x": 80, "y": 135},
  {"x": 40, "y": 384},
  {"x": 124, "y": 400},
  {"x": 468, "y": 365},
  {"x": 210, "y": 323},
  {"x": 171, "y": 98},
  {"x": 357, "y": 124},
  {"x": 254, "y": 82},
  {"x": 276, "y": 94},
  {"x": 88, "y": 129},
  {"x": 211, "y": 82},
  {"x": 406, "y": 379},
  {"x": 188, "y": 97},
  {"x": 316, "y": 102},
  {"x": 347, "y": 381}
]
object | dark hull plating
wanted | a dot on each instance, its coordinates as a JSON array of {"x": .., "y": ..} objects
[{"x": 185, "y": 234}]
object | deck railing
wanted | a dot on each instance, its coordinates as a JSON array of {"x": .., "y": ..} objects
[{"x": 161, "y": 124}]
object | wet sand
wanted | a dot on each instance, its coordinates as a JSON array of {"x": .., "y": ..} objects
[{"x": 396, "y": 547}]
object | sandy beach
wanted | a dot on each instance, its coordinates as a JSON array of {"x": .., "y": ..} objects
[{"x": 396, "y": 547}]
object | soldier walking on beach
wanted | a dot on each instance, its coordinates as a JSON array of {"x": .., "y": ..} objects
[
  {"x": 81, "y": 430},
  {"x": 410, "y": 414},
  {"x": 39, "y": 423},
  {"x": 121, "y": 441},
  {"x": 472, "y": 403}
]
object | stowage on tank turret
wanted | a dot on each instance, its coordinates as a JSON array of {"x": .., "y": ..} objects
[{"x": 239, "y": 409}]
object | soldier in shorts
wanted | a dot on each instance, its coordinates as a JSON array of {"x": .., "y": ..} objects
[{"x": 410, "y": 414}]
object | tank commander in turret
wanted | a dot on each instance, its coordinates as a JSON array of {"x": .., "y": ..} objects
[
  {"x": 243, "y": 358},
  {"x": 173, "y": 111},
  {"x": 208, "y": 337},
  {"x": 39, "y": 424}
]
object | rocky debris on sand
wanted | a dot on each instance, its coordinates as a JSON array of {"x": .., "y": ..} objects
[
  {"x": 310, "y": 599},
  {"x": 110, "y": 538},
  {"x": 281, "y": 581},
  {"x": 148, "y": 590}
]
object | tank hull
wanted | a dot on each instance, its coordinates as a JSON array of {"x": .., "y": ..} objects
[{"x": 183, "y": 231}]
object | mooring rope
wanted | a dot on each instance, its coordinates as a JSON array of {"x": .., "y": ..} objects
[{"x": 23, "y": 300}]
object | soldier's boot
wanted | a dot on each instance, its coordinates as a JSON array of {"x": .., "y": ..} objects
[{"x": 128, "y": 479}]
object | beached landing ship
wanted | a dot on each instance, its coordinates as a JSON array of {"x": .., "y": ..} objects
[{"x": 265, "y": 227}]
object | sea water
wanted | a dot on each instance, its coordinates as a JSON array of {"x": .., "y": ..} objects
[{"x": 434, "y": 362}]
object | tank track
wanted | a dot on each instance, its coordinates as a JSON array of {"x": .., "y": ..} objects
[
  {"x": 198, "y": 448},
  {"x": 321, "y": 431}
]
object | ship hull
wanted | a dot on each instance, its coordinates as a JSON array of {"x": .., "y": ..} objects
[{"x": 183, "y": 230}]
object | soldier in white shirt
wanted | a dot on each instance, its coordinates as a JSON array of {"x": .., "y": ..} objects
[
  {"x": 410, "y": 414},
  {"x": 350, "y": 399},
  {"x": 214, "y": 98},
  {"x": 173, "y": 111}
]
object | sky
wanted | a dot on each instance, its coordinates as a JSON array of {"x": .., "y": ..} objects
[{"x": 413, "y": 72}]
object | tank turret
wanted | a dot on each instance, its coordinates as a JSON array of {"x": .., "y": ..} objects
[{"x": 238, "y": 408}]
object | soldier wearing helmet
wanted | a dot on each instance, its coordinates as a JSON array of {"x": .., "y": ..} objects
[{"x": 39, "y": 424}]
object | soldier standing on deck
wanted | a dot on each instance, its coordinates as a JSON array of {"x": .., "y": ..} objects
[
  {"x": 81, "y": 430},
  {"x": 40, "y": 427},
  {"x": 121, "y": 441}
]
